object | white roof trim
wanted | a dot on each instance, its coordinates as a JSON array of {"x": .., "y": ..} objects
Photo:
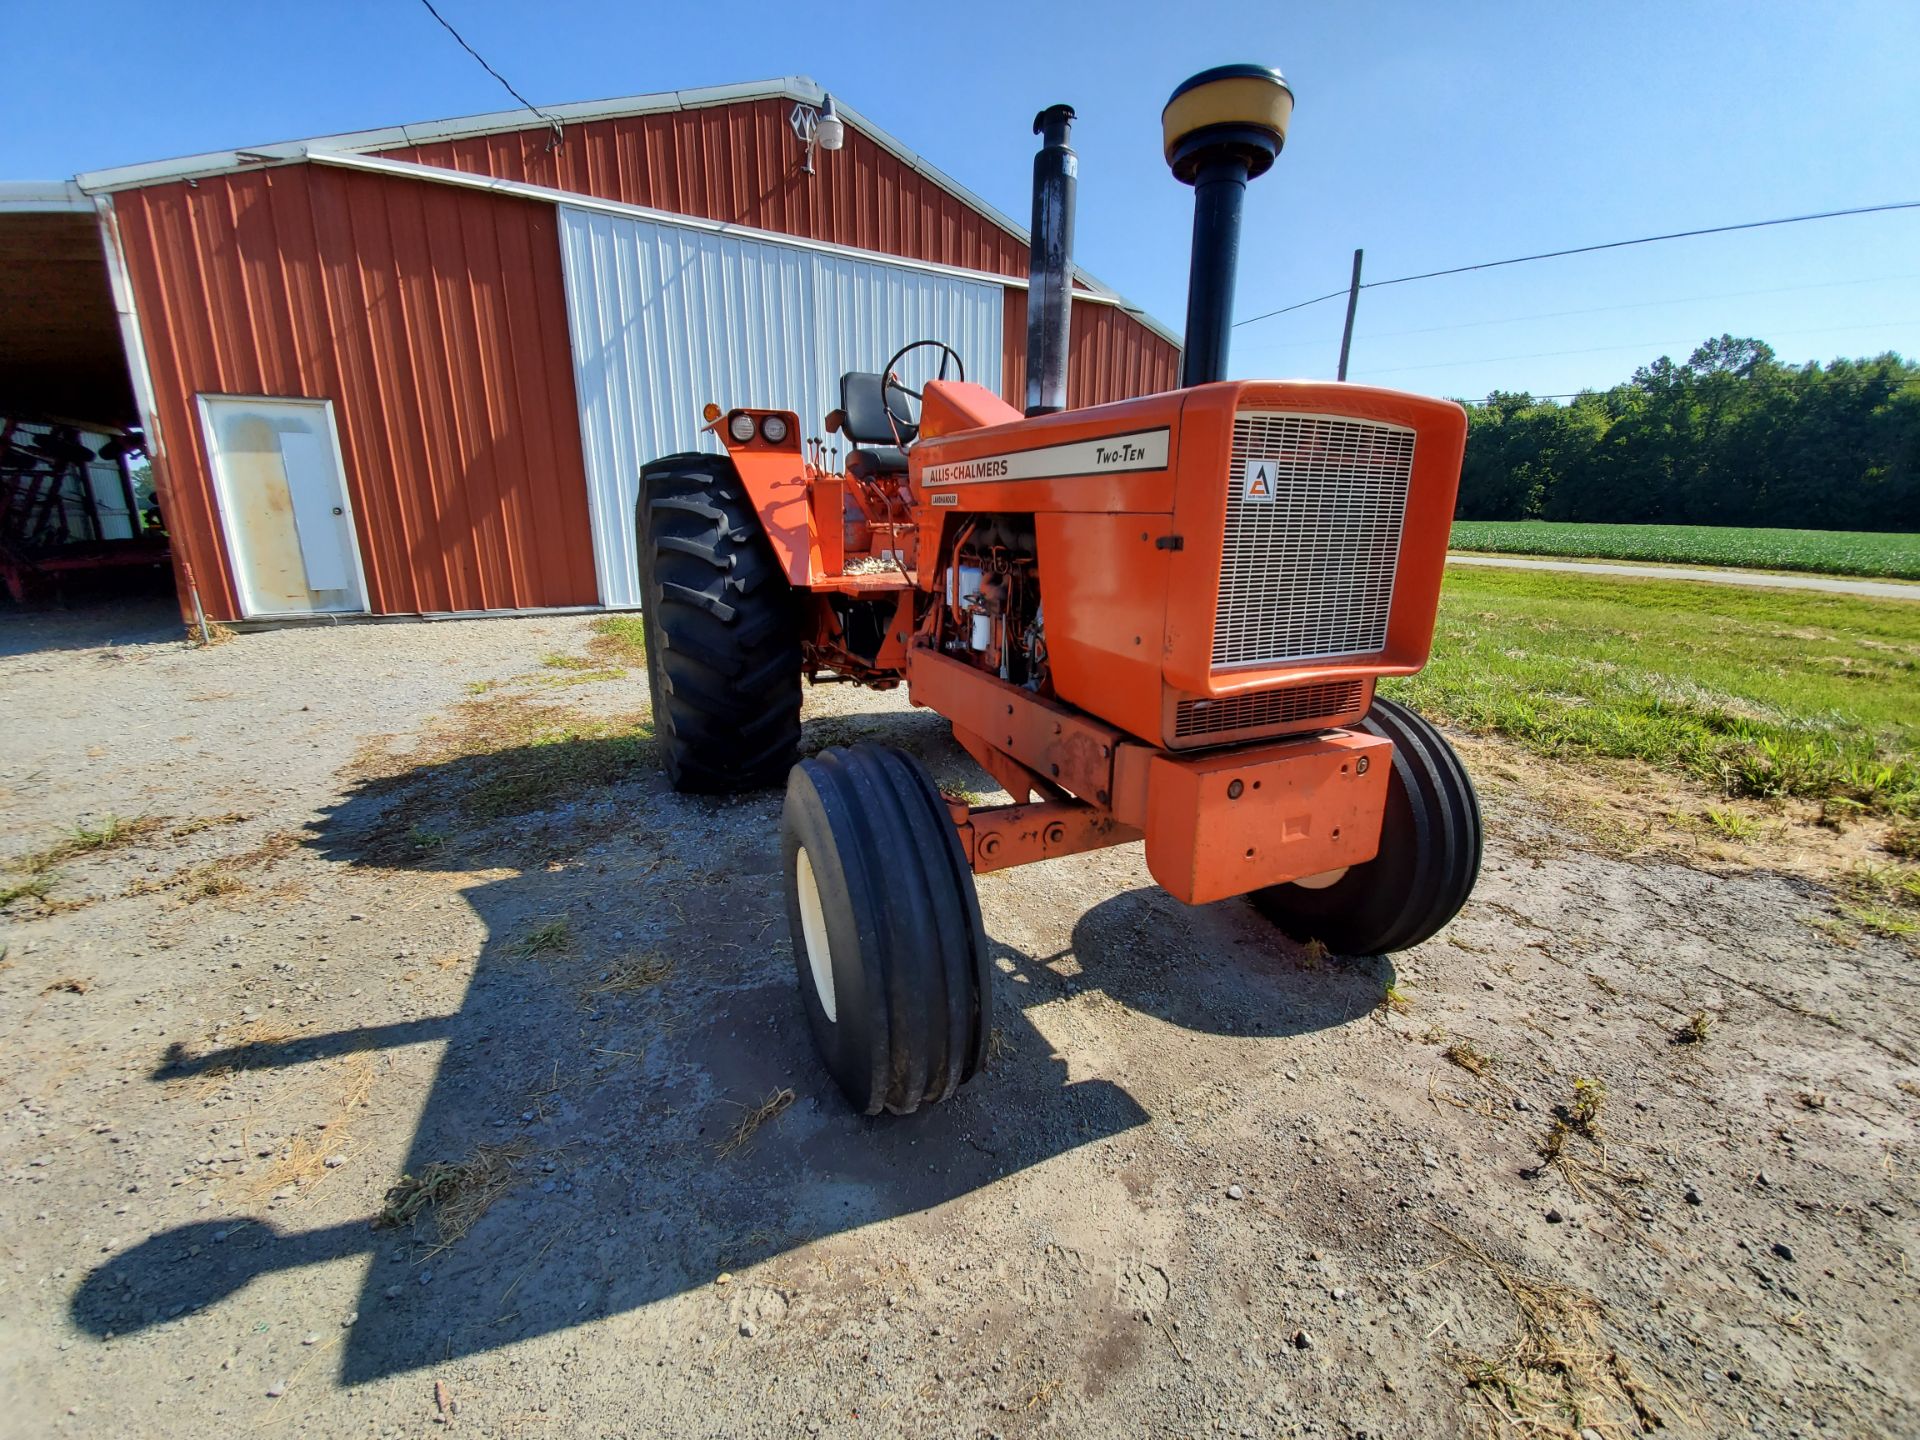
[
  {"x": 43, "y": 197},
  {"x": 796, "y": 87},
  {"x": 330, "y": 149}
]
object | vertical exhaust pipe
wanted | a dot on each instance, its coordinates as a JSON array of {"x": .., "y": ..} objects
[
  {"x": 1050, "y": 266},
  {"x": 1221, "y": 128}
]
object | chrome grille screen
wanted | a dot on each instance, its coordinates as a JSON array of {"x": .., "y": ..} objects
[{"x": 1309, "y": 572}]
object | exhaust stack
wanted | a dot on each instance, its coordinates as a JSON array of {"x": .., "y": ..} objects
[
  {"x": 1050, "y": 267},
  {"x": 1221, "y": 128}
]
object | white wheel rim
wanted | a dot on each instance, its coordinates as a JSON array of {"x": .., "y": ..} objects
[
  {"x": 1322, "y": 880},
  {"x": 813, "y": 930}
]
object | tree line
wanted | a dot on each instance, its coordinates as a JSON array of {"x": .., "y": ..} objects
[{"x": 1730, "y": 437}]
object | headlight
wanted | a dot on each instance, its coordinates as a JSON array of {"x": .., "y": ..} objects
[
  {"x": 773, "y": 429},
  {"x": 741, "y": 427}
]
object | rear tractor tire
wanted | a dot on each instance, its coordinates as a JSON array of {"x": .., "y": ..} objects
[
  {"x": 888, "y": 946},
  {"x": 1430, "y": 841},
  {"x": 723, "y": 630}
]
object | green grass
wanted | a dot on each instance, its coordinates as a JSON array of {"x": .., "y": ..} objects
[
  {"x": 34, "y": 886},
  {"x": 620, "y": 639},
  {"x": 1829, "y": 552},
  {"x": 1756, "y": 692},
  {"x": 37, "y": 874},
  {"x": 553, "y": 937}
]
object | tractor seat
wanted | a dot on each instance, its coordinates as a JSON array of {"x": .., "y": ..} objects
[
  {"x": 869, "y": 462},
  {"x": 874, "y": 416}
]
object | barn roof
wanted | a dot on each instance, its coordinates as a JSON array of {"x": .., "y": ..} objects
[{"x": 799, "y": 88}]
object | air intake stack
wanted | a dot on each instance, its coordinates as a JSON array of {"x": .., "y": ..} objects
[
  {"x": 1050, "y": 267},
  {"x": 1222, "y": 128}
]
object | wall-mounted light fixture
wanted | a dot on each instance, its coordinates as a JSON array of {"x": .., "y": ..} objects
[{"x": 817, "y": 129}]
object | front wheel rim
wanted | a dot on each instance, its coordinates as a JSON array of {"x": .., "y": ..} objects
[
  {"x": 813, "y": 933},
  {"x": 1326, "y": 879}
]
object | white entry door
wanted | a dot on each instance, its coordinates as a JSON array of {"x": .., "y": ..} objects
[{"x": 284, "y": 506}]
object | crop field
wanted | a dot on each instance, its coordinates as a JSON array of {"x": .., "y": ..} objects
[
  {"x": 1758, "y": 693},
  {"x": 1827, "y": 552}
]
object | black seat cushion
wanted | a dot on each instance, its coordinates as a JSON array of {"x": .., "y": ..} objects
[
  {"x": 866, "y": 409},
  {"x": 873, "y": 460}
]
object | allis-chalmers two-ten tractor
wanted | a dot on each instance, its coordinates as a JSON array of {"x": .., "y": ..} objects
[{"x": 1156, "y": 620}]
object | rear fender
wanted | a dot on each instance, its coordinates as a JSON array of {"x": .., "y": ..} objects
[{"x": 775, "y": 477}]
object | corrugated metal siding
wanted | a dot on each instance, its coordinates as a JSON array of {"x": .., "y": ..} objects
[
  {"x": 665, "y": 319},
  {"x": 741, "y": 164},
  {"x": 435, "y": 320},
  {"x": 1110, "y": 356}
]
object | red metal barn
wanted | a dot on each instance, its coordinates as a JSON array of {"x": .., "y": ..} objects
[{"x": 416, "y": 370}]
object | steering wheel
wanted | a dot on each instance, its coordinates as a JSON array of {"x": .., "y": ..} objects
[{"x": 890, "y": 380}]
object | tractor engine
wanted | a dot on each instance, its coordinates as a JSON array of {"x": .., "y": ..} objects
[{"x": 992, "y": 618}]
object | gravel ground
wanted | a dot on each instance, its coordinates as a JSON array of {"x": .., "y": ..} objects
[{"x": 1211, "y": 1184}]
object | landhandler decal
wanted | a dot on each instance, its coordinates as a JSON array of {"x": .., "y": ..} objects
[{"x": 1108, "y": 455}]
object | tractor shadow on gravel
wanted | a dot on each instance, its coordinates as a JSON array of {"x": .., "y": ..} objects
[{"x": 617, "y": 1059}]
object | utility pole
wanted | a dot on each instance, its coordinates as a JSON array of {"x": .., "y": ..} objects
[{"x": 1353, "y": 299}]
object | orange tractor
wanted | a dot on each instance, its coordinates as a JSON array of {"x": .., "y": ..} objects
[{"x": 1158, "y": 620}]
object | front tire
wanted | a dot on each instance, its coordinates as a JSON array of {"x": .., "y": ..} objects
[
  {"x": 723, "y": 630},
  {"x": 888, "y": 947},
  {"x": 1430, "y": 844}
]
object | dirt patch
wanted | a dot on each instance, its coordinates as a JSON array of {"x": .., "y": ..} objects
[
  {"x": 1632, "y": 1143},
  {"x": 1634, "y": 812}
]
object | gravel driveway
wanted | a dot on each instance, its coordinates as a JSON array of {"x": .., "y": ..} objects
[{"x": 391, "y": 901}]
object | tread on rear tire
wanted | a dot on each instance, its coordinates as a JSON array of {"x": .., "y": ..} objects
[
  {"x": 1430, "y": 845},
  {"x": 888, "y": 947},
  {"x": 723, "y": 630}
]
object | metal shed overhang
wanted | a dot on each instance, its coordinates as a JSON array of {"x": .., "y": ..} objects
[{"x": 62, "y": 354}]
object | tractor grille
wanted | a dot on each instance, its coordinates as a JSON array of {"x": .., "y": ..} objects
[
  {"x": 1266, "y": 708},
  {"x": 1310, "y": 572}
]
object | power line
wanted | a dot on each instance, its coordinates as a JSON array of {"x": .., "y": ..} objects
[
  {"x": 504, "y": 83},
  {"x": 1596, "y": 310},
  {"x": 1636, "y": 345},
  {"x": 1583, "y": 250},
  {"x": 1564, "y": 395}
]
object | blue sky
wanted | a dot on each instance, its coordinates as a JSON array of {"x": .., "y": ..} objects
[{"x": 1431, "y": 134}]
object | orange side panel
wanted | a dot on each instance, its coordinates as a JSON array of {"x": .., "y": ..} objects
[
  {"x": 435, "y": 321},
  {"x": 1104, "y": 583},
  {"x": 1233, "y": 822}
]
